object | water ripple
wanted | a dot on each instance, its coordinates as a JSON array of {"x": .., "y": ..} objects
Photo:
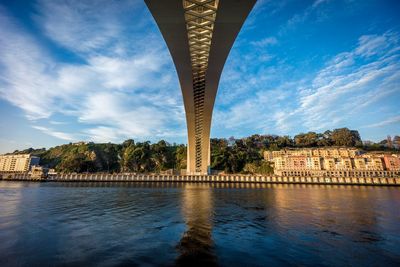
[{"x": 197, "y": 224}]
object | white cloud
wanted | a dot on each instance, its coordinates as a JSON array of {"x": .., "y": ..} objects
[
  {"x": 304, "y": 15},
  {"x": 57, "y": 134},
  {"x": 134, "y": 72},
  {"x": 319, "y": 2},
  {"x": 113, "y": 96},
  {"x": 85, "y": 26},
  {"x": 21, "y": 69},
  {"x": 390, "y": 121},
  {"x": 125, "y": 116},
  {"x": 343, "y": 87},
  {"x": 372, "y": 44},
  {"x": 265, "y": 42},
  {"x": 120, "y": 81},
  {"x": 263, "y": 111},
  {"x": 347, "y": 86}
]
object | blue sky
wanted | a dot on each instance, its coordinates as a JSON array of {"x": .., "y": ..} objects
[{"x": 100, "y": 71}]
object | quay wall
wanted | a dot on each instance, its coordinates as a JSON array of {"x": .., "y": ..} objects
[{"x": 394, "y": 181}]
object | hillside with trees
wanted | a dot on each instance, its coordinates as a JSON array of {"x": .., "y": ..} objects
[{"x": 231, "y": 155}]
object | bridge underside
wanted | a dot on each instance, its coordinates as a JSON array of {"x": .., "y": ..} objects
[{"x": 199, "y": 35}]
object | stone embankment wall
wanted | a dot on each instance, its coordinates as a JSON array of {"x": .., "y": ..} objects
[{"x": 208, "y": 179}]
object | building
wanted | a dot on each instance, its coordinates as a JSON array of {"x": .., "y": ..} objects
[
  {"x": 313, "y": 152},
  {"x": 333, "y": 163},
  {"x": 374, "y": 163},
  {"x": 38, "y": 172},
  {"x": 343, "y": 163},
  {"x": 296, "y": 162},
  {"x": 280, "y": 163},
  {"x": 199, "y": 35},
  {"x": 52, "y": 172},
  {"x": 392, "y": 163},
  {"x": 359, "y": 163},
  {"x": 329, "y": 163},
  {"x": 314, "y": 163},
  {"x": 268, "y": 156},
  {"x": 17, "y": 163}
]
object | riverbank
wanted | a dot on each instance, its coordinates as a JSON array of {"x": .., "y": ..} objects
[{"x": 206, "y": 179}]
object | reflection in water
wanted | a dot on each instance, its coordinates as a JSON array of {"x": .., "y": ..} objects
[
  {"x": 164, "y": 224},
  {"x": 327, "y": 203},
  {"x": 196, "y": 245}
]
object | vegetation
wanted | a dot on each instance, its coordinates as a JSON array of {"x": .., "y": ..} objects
[{"x": 244, "y": 155}]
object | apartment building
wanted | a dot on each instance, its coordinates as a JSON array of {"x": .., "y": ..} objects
[
  {"x": 392, "y": 162},
  {"x": 334, "y": 162},
  {"x": 17, "y": 163},
  {"x": 313, "y": 152}
]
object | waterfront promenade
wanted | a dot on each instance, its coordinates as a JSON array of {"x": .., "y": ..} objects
[{"x": 393, "y": 181}]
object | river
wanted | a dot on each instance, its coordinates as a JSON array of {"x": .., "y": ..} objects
[{"x": 180, "y": 224}]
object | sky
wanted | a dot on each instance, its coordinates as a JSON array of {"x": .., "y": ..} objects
[{"x": 81, "y": 70}]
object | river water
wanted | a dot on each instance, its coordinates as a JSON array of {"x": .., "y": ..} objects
[{"x": 156, "y": 224}]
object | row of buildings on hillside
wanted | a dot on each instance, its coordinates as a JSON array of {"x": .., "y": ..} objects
[{"x": 333, "y": 162}]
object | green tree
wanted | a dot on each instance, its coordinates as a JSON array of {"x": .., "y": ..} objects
[
  {"x": 78, "y": 162},
  {"x": 345, "y": 137},
  {"x": 180, "y": 157},
  {"x": 309, "y": 139},
  {"x": 162, "y": 156}
]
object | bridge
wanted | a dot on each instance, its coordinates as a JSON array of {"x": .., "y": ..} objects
[{"x": 199, "y": 35}]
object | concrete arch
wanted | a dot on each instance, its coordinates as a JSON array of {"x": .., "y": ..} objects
[{"x": 199, "y": 35}]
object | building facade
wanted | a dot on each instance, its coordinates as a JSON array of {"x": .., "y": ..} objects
[
  {"x": 333, "y": 162},
  {"x": 392, "y": 163},
  {"x": 313, "y": 152},
  {"x": 17, "y": 163}
]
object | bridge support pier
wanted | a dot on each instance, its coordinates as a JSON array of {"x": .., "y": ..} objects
[{"x": 199, "y": 35}]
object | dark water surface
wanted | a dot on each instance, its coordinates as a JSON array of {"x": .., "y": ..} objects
[{"x": 139, "y": 224}]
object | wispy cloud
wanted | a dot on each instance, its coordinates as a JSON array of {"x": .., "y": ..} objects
[
  {"x": 86, "y": 26},
  {"x": 100, "y": 70},
  {"x": 57, "y": 134},
  {"x": 349, "y": 84},
  {"x": 343, "y": 87},
  {"x": 265, "y": 42},
  {"x": 319, "y": 2},
  {"x": 302, "y": 16},
  {"x": 128, "y": 90},
  {"x": 390, "y": 121}
]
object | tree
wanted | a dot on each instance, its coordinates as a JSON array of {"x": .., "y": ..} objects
[
  {"x": 128, "y": 143},
  {"x": 261, "y": 167},
  {"x": 180, "y": 157},
  {"x": 162, "y": 156},
  {"x": 284, "y": 141},
  {"x": 389, "y": 142},
  {"x": 242, "y": 155},
  {"x": 309, "y": 139},
  {"x": 396, "y": 142},
  {"x": 345, "y": 137},
  {"x": 219, "y": 148},
  {"x": 325, "y": 139},
  {"x": 128, "y": 160},
  {"x": 78, "y": 162}
]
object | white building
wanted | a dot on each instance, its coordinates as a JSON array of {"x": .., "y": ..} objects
[{"x": 17, "y": 163}]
